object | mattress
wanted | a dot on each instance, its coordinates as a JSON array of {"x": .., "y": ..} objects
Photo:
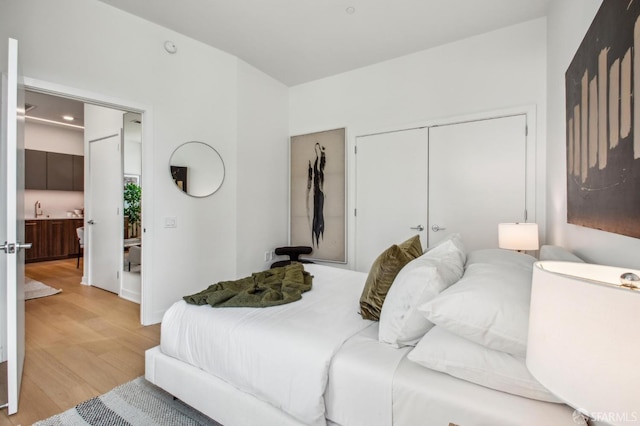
[
  {"x": 374, "y": 384},
  {"x": 279, "y": 354},
  {"x": 424, "y": 396},
  {"x": 359, "y": 392}
]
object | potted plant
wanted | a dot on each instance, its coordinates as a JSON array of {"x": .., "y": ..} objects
[{"x": 132, "y": 208}]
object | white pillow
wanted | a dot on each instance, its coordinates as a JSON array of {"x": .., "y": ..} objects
[
  {"x": 548, "y": 252},
  {"x": 442, "y": 351},
  {"x": 455, "y": 239},
  {"x": 418, "y": 282},
  {"x": 501, "y": 257},
  {"x": 489, "y": 305}
]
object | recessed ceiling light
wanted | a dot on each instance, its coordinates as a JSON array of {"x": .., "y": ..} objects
[
  {"x": 350, "y": 10},
  {"x": 68, "y": 117}
]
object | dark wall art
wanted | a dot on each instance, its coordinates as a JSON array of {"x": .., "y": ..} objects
[
  {"x": 603, "y": 113},
  {"x": 179, "y": 174},
  {"x": 317, "y": 216}
]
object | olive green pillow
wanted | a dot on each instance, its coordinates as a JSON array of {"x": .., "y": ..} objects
[
  {"x": 412, "y": 247},
  {"x": 383, "y": 272}
]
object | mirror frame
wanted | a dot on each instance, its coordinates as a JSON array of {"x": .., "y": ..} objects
[{"x": 216, "y": 186}]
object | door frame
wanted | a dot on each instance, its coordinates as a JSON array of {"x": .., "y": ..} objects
[
  {"x": 146, "y": 111},
  {"x": 536, "y": 159}
]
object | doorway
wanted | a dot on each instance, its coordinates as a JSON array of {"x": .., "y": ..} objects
[{"x": 106, "y": 268}]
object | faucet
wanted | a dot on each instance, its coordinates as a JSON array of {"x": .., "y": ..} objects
[{"x": 36, "y": 207}]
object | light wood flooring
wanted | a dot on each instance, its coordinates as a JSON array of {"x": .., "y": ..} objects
[{"x": 79, "y": 344}]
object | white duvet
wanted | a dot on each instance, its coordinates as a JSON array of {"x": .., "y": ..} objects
[{"x": 279, "y": 354}]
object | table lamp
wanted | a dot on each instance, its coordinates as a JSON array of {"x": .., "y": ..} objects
[
  {"x": 518, "y": 236},
  {"x": 584, "y": 338}
]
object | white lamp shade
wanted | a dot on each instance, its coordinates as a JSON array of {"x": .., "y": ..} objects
[
  {"x": 518, "y": 236},
  {"x": 584, "y": 339}
]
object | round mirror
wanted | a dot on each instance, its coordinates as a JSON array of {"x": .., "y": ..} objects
[{"x": 197, "y": 169}]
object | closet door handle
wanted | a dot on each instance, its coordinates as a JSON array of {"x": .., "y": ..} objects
[
  {"x": 419, "y": 228},
  {"x": 436, "y": 228}
]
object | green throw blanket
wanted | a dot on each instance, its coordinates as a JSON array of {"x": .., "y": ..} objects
[{"x": 272, "y": 287}]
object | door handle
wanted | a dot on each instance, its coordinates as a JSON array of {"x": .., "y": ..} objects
[
  {"x": 91, "y": 222},
  {"x": 10, "y": 248},
  {"x": 23, "y": 246},
  {"x": 436, "y": 228},
  {"x": 419, "y": 228}
]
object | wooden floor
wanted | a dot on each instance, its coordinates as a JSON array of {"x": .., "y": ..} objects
[{"x": 79, "y": 344}]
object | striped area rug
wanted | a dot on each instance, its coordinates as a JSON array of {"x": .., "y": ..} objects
[{"x": 136, "y": 403}]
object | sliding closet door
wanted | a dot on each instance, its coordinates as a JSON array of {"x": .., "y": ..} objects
[
  {"x": 391, "y": 187},
  {"x": 477, "y": 179}
]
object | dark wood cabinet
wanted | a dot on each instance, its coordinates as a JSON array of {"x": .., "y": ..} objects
[
  {"x": 35, "y": 164},
  {"x": 56, "y": 238},
  {"x": 78, "y": 173},
  {"x": 72, "y": 236},
  {"x": 53, "y": 171},
  {"x": 59, "y": 171},
  {"x": 51, "y": 239},
  {"x": 34, "y": 234}
]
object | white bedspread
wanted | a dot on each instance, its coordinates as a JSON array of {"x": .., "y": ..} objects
[
  {"x": 427, "y": 397},
  {"x": 279, "y": 354},
  {"x": 360, "y": 386}
]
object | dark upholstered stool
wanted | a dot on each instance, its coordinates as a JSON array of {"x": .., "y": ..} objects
[{"x": 293, "y": 253}]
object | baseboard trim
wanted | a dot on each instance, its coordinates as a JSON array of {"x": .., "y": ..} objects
[{"x": 130, "y": 295}]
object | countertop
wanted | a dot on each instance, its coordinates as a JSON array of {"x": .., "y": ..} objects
[{"x": 53, "y": 217}]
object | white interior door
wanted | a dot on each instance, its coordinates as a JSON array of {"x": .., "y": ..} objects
[
  {"x": 105, "y": 222},
  {"x": 477, "y": 179},
  {"x": 391, "y": 187},
  {"x": 12, "y": 224}
]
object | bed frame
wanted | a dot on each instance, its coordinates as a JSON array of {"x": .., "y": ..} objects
[{"x": 231, "y": 406}]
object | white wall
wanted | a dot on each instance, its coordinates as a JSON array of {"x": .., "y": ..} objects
[
  {"x": 54, "y": 204},
  {"x": 46, "y": 137},
  {"x": 191, "y": 95},
  {"x": 263, "y": 168},
  {"x": 500, "y": 70},
  {"x": 52, "y": 138},
  {"x": 568, "y": 22}
]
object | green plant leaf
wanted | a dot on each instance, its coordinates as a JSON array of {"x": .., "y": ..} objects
[{"x": 132, "y": 198}]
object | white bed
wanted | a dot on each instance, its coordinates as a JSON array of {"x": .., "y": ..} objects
[{"x": 316, "y": 361}]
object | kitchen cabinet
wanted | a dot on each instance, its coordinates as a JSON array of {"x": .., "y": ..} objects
[
  {"x": 73, "y": 248},
  {"x": 53, "y": 171},
  {"x": 59, "y": 171},
  {"x": 34, "y": 234},
  {"x": 51, "y": 239},
  {"x": 35, "y": 164},
  {"x": 78, "y": 173},
  {"x": 55, "y": 238}
]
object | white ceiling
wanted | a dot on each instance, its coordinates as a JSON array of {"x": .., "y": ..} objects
[
  {"x": 296, "y": 41},
  {"x": 52, "y": 108}
]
